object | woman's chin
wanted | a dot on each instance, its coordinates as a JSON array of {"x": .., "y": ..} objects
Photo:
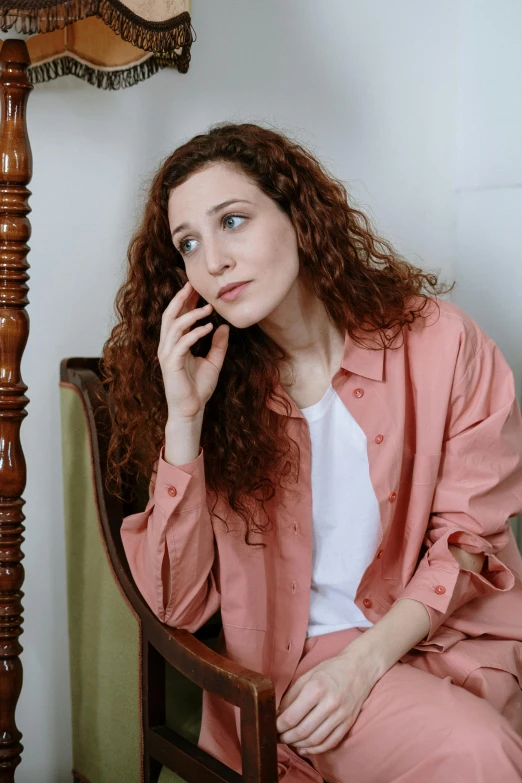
[{"x": 241, "y": 320}]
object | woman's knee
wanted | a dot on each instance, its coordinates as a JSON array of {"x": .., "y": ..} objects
[{"x": 481, "y": 733}]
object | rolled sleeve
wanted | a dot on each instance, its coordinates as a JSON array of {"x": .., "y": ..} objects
[
  {"x": 442, "y": 586},
  {"x": 478, "y": 489}
]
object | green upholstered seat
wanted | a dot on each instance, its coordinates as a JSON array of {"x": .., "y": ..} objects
[{"x": 104, "y": 633}]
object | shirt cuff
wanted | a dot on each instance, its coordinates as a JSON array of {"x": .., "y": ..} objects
[
  {"x": 180, "y": 487},
  {"x": 443, "y": 587}
]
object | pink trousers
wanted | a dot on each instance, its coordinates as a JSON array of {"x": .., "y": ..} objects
[{"x": 418, "y": 726}]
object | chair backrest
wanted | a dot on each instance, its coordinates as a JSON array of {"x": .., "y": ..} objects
[
  {"x": 104, "y": 630},
  {"x": 186, "y": 653}
]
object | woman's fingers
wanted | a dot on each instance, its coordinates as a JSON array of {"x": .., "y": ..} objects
[
  {"x": 329, "y": 743},
  {"x": 316, "y": 728},
  {"x": 177, "y": 320},
  {"x": 311, "y": 718},
  {"x": 192, "y": 337},
  {"x": 218, "y": 349},
  {"x": 182, "y": 302},
  {"x": 172, "y": 310}
]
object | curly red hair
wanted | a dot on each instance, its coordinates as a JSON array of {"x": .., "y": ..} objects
[{"x": 367, "y": 289}]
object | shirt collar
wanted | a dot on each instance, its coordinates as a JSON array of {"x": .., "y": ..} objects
[{"x": 365, "y": 362}]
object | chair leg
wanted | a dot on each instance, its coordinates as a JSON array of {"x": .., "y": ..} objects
[
  {"x": 153, "y": 704},
  {"x": 152, "y": 769}
]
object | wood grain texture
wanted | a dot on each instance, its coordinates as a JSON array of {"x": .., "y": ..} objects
[{"x": 15, "y": 230}]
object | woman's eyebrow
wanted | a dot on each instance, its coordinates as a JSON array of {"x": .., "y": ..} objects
[{"x": 212, "y": 211}]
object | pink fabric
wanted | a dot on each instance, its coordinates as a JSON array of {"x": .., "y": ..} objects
[
  {"x": 444, "y": 438},
  {"x": 415, "y": 726}
]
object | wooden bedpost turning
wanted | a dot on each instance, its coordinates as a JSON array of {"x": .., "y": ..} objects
[{"x": 15, "y": 230}]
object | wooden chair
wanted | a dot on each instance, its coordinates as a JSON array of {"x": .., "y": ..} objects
[{"x": 119, "y": 648}]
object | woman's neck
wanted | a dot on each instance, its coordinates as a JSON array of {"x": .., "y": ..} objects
[{"x": 301, "y": 327}]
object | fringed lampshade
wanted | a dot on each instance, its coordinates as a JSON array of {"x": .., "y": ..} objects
[{"x": 108, "y": 43}]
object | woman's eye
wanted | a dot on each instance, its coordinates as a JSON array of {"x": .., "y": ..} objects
[
  {"x": 182, "y": 245},
  {"x": 231, "y": 217}
]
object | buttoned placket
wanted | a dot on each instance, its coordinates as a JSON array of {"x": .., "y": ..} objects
[
  {"x": 356, "y": 392},
  {"x": 295, "y": 552},
  {"x": 293, "y": 583},
  {"x": 345, "y": 384}
]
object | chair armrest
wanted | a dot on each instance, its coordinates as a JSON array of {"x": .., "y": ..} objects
[
  {"x": 251, "y": 691},
  {"x": 206, "y": 668}
]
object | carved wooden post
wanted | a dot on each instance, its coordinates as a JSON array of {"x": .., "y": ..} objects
[{"x": 15, "y": 230}]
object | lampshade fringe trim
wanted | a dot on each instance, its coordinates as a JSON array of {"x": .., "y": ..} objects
[
  {"x": 45, "y": 17},
  {"x": 106, "y": 80}
]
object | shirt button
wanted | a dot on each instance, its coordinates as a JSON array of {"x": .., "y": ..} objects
[
  {"x": 379, "y": 554},
  {"x": 379, "y": 438},
  {"x": 358, "y": 392},
  {"x": 440, "y": 589},
  {"x": 172, "y": 491},
  {"x": 368, "y": 604},
  {"x": 392, "y": 497}
]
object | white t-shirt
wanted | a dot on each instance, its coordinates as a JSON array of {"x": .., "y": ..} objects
[{"x": 345, "y": 515}]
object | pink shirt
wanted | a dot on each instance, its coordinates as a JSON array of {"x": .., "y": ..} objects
[{"x": 444, "y": 438}]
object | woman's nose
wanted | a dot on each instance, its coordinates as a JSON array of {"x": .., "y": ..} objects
[{"x": 216, "y": 259}]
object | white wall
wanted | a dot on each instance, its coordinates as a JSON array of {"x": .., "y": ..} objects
[
  {"x": 488, "y": 250},
  {"x": 489, "y": 173},
  {"x": 370, "y": 87}
]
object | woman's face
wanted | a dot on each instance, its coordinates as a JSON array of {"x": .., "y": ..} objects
[{"x": 248, "y": 239}]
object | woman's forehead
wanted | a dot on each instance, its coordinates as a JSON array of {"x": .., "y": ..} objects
[{"x": 210, "y": 187}]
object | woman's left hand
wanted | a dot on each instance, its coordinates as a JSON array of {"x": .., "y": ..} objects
[{"x": 323, "y": 704}]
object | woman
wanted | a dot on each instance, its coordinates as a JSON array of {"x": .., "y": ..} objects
[{"x": 336, "y": 453}]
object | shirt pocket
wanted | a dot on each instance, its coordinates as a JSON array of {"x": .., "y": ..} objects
[
  {"x": 249, "y": 647},
  {"x": 414, "y": 500}
]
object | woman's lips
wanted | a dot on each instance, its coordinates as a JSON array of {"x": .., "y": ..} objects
[{"x": 234, "y": 292}]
